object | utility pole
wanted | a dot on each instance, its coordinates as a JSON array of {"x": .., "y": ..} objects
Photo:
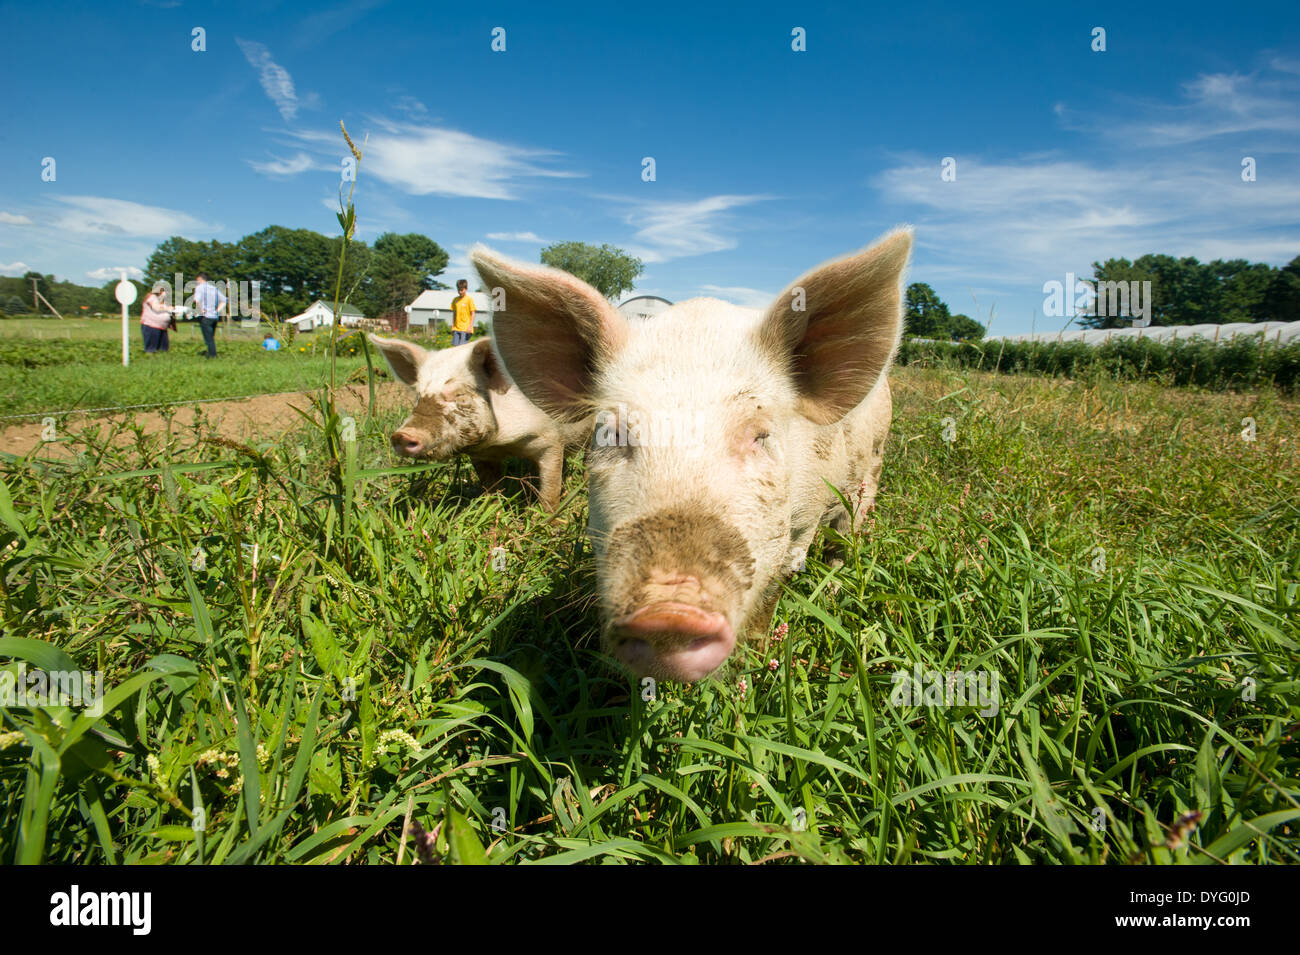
[{"x": 38, "y": 297}]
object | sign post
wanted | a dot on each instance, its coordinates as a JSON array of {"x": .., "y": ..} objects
[{"x": 124, "y": 292}]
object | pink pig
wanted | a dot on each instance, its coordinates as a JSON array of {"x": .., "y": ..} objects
[
  {"x": 742, "y": 418},
  {"x": 465, "y": 403}
]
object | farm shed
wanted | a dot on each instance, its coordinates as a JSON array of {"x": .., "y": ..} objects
[
  {"x": 643, "y": 306},
  {"x": 434, "y": 305},
  {"x": 1281, "y": 333},
  {"x": 319, "y": 313}
]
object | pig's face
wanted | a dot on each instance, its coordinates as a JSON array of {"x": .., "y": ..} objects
[
  {"x": 690, "y": 484},
  {"x": 705, "y": 416},
  {"x": 453, "y": 410}
]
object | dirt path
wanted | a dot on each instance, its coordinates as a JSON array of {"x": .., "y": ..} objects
[{"x": 262, "y": 416}]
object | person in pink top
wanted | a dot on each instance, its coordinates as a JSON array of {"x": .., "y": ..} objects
[{"x": 155, "y": 319}]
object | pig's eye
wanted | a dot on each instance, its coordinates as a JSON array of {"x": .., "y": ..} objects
[{"x": 761, "y": 442}]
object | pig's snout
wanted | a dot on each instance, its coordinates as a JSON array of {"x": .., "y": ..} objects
[
  {"x": 676, "y": 582},
  {"x": 673, "y": 641},
  {"x": 409, "y": 443}
]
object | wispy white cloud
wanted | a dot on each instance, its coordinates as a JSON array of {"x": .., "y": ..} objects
[
  {"x": 280, "y": 167},
  {"x": 739, "y": 295},
  {"x": 96, "y": 215},
  {"x": 9, "y": 218},
  {"x": 670, "y": 229},
  {"x": 411, "y": 106},
  {"x": 428, "y": 160},
  {"x": 14, "y": 268},
  {"x": 458, "y": 266},
  {"x": 1007, "y": 225},
  {"x": 319, "y": 26},
  {"x": 108, "y": 272},
  {"x": 531, "y": 237},
  {"x": 1261, "y": 103},
  {"x": 1018, "y": 223},
  {"x": 275, "y": 79}
]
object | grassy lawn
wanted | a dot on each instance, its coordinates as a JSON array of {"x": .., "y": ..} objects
[
  {"x": 1117, "y": 556},
  {"x": 47, "y": 365},
  {"x": 108, "y": 329}
]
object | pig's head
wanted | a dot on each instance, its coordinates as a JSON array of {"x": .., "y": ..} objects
[
  {"x": 691, "y": 519},
  {"x": 453, "y": 407}
]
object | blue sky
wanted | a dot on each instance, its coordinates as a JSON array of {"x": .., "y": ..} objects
[{"x": 768, "y": 161}]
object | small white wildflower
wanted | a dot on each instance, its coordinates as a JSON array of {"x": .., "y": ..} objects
[
  {"x": 155, "y": 770},
  {"x": 398, "y": 736},
  {"x": 222, "y": 762}
]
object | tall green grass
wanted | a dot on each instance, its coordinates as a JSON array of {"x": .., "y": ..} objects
[
  {"x": 162, "y": 379},
  {"x": 403, "y": 648},
  {"x": 41, "y": 376}
]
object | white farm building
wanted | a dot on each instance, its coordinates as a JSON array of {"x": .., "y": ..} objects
[
  {"x": 643, "y": 306},
  {"x": 434, "y": 305},
  {"x": 319, "y": 314}
]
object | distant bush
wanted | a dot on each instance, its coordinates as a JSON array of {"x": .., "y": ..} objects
[{"x": 1242, "y": 363}]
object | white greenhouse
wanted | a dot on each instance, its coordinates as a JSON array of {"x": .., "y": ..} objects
[{"x": 1280, "y": 333}]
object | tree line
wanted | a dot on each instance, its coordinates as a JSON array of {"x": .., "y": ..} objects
[
  {"x": 295, "y": 267},
  {"x": 68, "y": 297},
  {"x": 926, "y": 316},
  {"x": 1184, "y": 291},
  {"x": 1188, "y": 292},
  {"x": 298, "y": 266}
]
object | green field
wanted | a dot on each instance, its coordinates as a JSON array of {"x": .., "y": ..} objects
[
  {"x": 110, "y": 329},
  {"x": 44, "y": 365},
  {"x": 1123, "y": 561}
]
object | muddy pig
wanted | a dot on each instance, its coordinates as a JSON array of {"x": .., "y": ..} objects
[
  {"x": 465, "y": 403},
  {"x": 696, "y": 523}
]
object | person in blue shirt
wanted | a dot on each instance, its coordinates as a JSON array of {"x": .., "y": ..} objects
[
  {"x": 208, "y": 302},
  {"x": 271, "y": 343}
]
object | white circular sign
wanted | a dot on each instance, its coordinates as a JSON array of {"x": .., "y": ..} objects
[{"x": 124, "y": 292}]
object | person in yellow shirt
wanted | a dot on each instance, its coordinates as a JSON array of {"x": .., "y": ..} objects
[{"x": 462, "y": 310}]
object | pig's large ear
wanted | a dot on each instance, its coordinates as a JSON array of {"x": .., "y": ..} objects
[
  {"x": 486, "y": 360},
  {"x": 404, "y": 358},
  {"x": 836, "y": 327},
  {"x": 553, "y": 333}
]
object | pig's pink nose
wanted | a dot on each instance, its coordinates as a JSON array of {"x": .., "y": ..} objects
[
  {"x": 673, "y": 641},
  {"x": 404, "y": 442}
]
